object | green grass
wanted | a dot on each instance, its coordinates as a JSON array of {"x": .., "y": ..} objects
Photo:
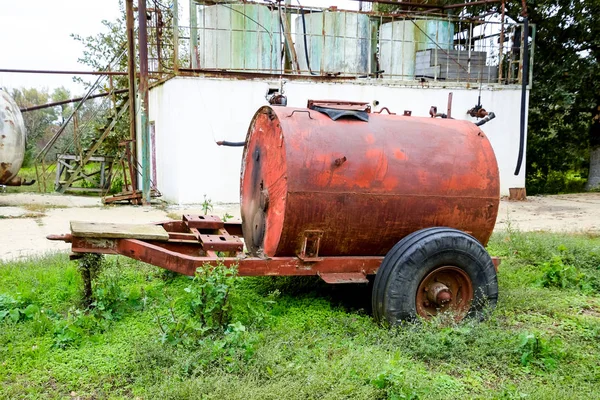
[
  {"x": 45, "y": 182},
  {"x": 303, "y": 339}
]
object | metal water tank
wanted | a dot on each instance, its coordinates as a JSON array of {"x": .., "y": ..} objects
[
  {"x": 12, "y": 138},
  {"x": 336, "y": 41},
  {"x": 400, "y": 40},
  {"x": 243, "y": 37},
  {"x": 359, "y": 187},
  {"x": 434, "y": 34},
  {"x": 397, "y": 49}
]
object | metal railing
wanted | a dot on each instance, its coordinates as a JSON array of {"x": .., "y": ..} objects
[{"x": 263, "y": 38}]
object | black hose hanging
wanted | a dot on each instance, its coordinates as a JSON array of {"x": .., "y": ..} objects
[
  {"x": 524, "y": 82},
  {"x": 305, "y": 44}
]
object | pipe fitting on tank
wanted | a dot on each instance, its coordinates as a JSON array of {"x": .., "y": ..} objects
[{"x": 488, "y": 118}]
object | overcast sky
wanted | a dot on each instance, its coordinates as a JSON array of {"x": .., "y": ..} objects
[{"x": 35, "y": 34}]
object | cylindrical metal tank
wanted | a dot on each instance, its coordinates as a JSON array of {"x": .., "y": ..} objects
[
  {"x": 434, "y": 34},
  {"x": 400, "y": 40},
  {"x": 12, "y": 138},
  {"x": 362, "y": 186},
  {"x": 336, "y": 41},
  {"x": 239, "y": 37},
  {"x": 397, "y": 50}
]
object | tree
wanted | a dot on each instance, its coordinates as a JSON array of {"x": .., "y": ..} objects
[
  {"x": 39, "y": 124},
  {"x": 566, "y": 92},
  {"x": 564, "y": 113}
]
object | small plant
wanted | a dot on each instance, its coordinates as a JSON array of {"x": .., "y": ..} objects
[
  {"x": 556, "y": 274},
  {"x": 206, "y": 205},
  {"x": 15, "y": 310},
  {"x": 207, "y": 306},
  {"x": 210, "y": 295},
  {"x": 535, "y": 350},
  {"x": 227, "y": 217}
]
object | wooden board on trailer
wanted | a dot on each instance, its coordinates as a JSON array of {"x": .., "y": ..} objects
[{"x": 118, "y": 231}]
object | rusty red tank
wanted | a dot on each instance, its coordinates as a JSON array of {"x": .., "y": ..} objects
[{"x": 355, "y": 188}]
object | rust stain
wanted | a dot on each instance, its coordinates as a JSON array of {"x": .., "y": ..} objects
[
  {"x": 370, "y": 139},
  {"x": 399, "y": 155}
]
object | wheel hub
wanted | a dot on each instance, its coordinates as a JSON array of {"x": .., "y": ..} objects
[
  {"x": 445, "y": 289},
  {"x": 438, "y": 293}
]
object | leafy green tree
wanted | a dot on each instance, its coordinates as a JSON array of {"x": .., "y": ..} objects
[
  {"x": 564, "y": 103},
  {"x": 565, "y": 96},
  {"x": 40, "y": 124},
  {"x": 62, "y": 94}
]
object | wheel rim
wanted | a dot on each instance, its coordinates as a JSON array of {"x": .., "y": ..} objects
[{"x": 445, "y": 289}]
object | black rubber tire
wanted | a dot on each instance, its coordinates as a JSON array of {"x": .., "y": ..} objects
[{"x": 415, "y": 256}]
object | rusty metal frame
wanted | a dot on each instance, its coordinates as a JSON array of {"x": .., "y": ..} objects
[{"x": 184, "y": 252}]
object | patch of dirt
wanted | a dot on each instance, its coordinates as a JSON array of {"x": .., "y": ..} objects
[{"x": 561, "y": 213}]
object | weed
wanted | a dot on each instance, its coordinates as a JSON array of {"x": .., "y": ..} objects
[
  {"x": 16, "y": 310},
  {"x": 227, "y": 217},
  {"x": 556, "y": 274},
  {"x": 206, "y": 205},
  {"x": 535, "y": 350},
  {"x": 207, "y": 306}
]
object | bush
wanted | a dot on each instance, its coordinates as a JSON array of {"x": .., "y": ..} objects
[{"x": 207, "y": 307}]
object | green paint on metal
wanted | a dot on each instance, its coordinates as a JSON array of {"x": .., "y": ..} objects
[
  {"x": 239, "y": 37},
  {"x": 434, "y": 34},
  {"x": 400, "y": 40},
  {"x": 336, "y": 41},
  {"x": 145, "y": 156}
]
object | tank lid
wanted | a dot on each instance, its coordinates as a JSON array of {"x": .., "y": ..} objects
[{"x": 337, "y": 109}]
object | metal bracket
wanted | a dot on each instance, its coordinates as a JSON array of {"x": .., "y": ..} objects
[{"x": 310, "y": 246}]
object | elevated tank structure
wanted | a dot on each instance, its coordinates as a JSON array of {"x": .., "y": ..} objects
[
  {"x": 12, "y": 141},
  {"x": 336, "y": 42},
  {"x": 239, "y": 37},
  {"x": 335, "y": 191},
  {"x": 399, "y": 42}
]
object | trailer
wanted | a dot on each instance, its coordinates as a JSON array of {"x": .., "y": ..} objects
[{"x": 336, "y": 191}]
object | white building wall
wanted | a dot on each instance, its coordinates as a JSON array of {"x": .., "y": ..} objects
[{"x": 191, "y": 114}]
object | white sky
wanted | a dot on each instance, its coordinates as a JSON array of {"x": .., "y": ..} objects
[{"x": 35, "y": 34}]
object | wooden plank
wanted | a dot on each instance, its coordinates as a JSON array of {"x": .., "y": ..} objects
[{"x": 118, "y": 231}]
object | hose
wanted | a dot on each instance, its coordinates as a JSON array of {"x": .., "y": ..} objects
[
  {"x": 488, "y": 118},
  {"x": 305, "y": 43},
  {"x": 525, "y": 80},
  {"x": 230, "y": 144}
]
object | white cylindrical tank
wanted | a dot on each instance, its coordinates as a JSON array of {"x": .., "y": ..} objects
[
  {"x": 397, "y": 49},
  {"x": 400, "y": 41},
  {"x": 336, "y": 42},
  {"x": 12, "y": 138}
]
